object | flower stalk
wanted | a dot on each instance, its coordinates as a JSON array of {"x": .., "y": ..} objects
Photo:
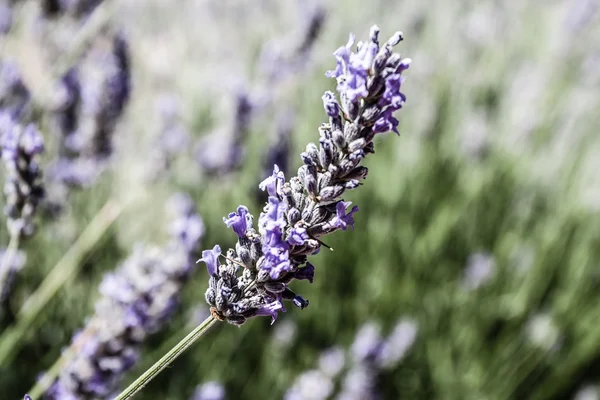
[{"x": 167, "y": 359}]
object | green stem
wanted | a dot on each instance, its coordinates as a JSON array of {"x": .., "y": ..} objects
[
  {"x": 66, "y": 268},
  {"x": 7, "y": 261},
  {"x": 167, "y": 359}
]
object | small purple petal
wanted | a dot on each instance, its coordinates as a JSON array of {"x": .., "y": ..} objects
[
  {"x": 298, "y": 236},
  {"x": 238, "y": 221},
  {"x": 342, "y": 220},
  {"x": 300, "y": 302},
  {"x": 274, "y": 182},
  {"x": 386, "y": 122},
  {"x": 211, "y": 258},
  {"x": 391, "y": 95},
  {"x": 270, "y": 309},
  {"x": 331, "y": 105},
  {"x": 307, "y": 273}
]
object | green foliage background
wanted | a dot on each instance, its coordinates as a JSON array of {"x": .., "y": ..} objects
[{"x": 499, "y": 153}]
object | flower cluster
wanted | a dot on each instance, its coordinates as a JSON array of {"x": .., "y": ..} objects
[
  {"x": 172, "y": 139},
  {"x": 369, "y": 355},
  {"x": 23, "y": 187},
  {"x": 14, "y": 95},
  {"x": 308, "y": 206},
  {"x": 222, "y": 151},
  {"x": 278, "y": 60},
  {"x": 136, "y": 301},
  {"x": 318, "y": 383},
  {"x": 92, "y": 97}
]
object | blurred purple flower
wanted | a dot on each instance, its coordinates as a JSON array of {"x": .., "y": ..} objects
[
  {"x": 212, "y": 390},
  {"x": 136, "y": 300}
]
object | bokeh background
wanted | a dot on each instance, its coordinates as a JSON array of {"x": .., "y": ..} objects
[{"x": 479, "y": 226}]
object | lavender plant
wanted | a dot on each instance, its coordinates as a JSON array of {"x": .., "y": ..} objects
[
  {"x": 309, "y": 206},
  {"x": 20, "y": 145},
  {"x": 93, "y": 97},
  {"x": 369, "y": 355},
  {"x": 137, "y": 300},
  {"x": 276, "y": 63},
  {"x": 227, "y": 140}
]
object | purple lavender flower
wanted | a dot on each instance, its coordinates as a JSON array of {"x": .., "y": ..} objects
[
  {"x": 211, "y": 259},
  {"x": 341, "y": 220},
  {"x": 360, "y": 383},
  {"x": 367, "y": 343},
  {"x": 172, "y": 140},
  {"x": 280, "y": 59},
  {"x": 93, "y": 97},
  {"x": 332, "y": 361},
  {"x": 137, "y": 300},
  {"x": 238, "y": 221},
  {"x": 480, "y": 269},
  {"x": 309, "y": 205},
  {"x": 209, "y": 391},
  {"x": 6, "y": 18},
  {"x": 222, "y": 151},
  {"x": 311, "y": 385},
  {"x": 14, "y": 95},
  {"x": 398, "y": 343},
  {"x": 23, "y": 187}
]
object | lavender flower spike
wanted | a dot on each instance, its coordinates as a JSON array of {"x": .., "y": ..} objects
[
  {"x": 136, "y": 300},
  {"x": 310, "y": 204},
  {"x": 23, "y": 187}
]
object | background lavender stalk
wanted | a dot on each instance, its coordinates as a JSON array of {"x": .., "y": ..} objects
[
  {"x": 6, "y": 15},
  {"x": 173, "y": 137},
  {"x": 93, "y": 98},
  {"x": 278, "y": 152},
  {"x": 371, "y": 354},
  {"x": 368, "y": 356},
  {"x": 222, "y": 151},
  {"x": 318, "y": 384},
  {"x": 276, "y": 64},
  {"x": 309, "y": 206},
  {"x": 23, "y": 187},
  {"x": 136, "y": 301}
]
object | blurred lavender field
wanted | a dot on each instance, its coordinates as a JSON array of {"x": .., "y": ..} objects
[{"x": 472, "y": 271}]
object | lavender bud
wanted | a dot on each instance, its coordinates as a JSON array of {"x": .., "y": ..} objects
[
  {"x": 359, "y": 172},
  {"x": 331, "y": 192}
]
